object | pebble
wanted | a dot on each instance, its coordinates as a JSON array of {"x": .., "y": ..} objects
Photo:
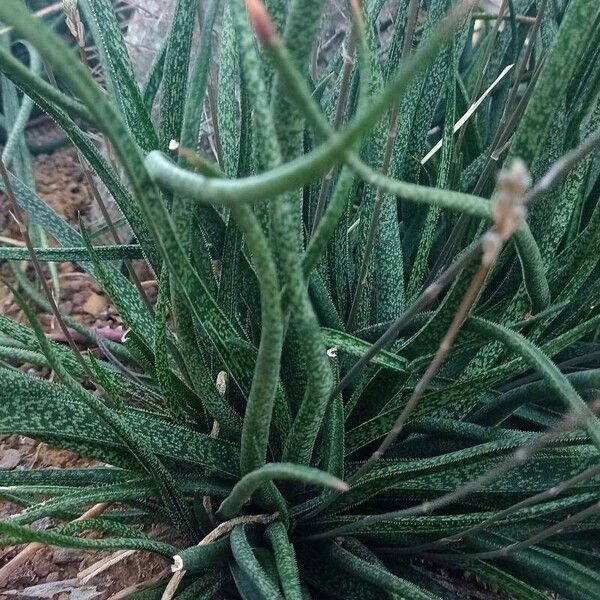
[
  {"x": 79, "y": 298},
  {"x": 9, "y": 459},
  {"x": 42, "y": 567},
  {"x": 52, "y": 577},
  {"x": 95, "y": 304},
  {"x": 42, "y": 524},
  {"x": 63, "y": 556}
]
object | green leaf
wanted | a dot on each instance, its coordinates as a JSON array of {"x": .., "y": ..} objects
[
  {"x": 125, "y": 296},
  {"x": 285, "y": 559},
  {"x": 201, "y": 557},
  {"x": 38, "y": 409},
  {"x": 354, "y": 346},
  {"x": 495, "y": 411},
  {"x": 250, "y": 482},
  {"x": 571, "y": 42},
  {"x": 227, "y": 104},
  {"x": 154, "y": 79},
  {"x": 245, "y": 559},
  {"x": 374, "y": 574},
  {"x": 74, "y": 254},
  {"x": 549, "y": 569},
  {"x": 137, "y": 445},
  {"x": 166, "y": 379},
  {"x": 517, "y": 588},
  {"x": 175, "y": 75},
  {"x": 327, "y": 578},
  {"x": 546, "y": 368},
  {"x": 26, "y": 535},
  {"x": 333, "y": 438},
  {"x": 427, "y": 236},
  {"x": 118, "y": 70}
]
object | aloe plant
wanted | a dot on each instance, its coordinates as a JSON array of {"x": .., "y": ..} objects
[{"x": 374, "y": 348}]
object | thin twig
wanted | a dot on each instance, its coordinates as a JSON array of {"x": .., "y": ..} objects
[
  {"x": 461, "y": 225},
  {"x": 138, "y": 587},
  {"x": 102, "y": 565},
  {"x": 508, "y": 215},
  {"x": 43, "y": 12},
  {"x": 469, "y": 113},
  {"x": 548, "y": 494},
  {"x": 105, "y": 563},
  {"x": 498, "y": 148},
  {"x": 562, "y": 166},
  {"x": 494, "y": 16},
  {"x": 11, "y": 241},
  {"x": 439, "y": 357},
  {"x": 427, "y": 297},
  {"x": 510, "y": 118},
  {"x": 511, "y": 114},
  {"x": 524, "y": 60},
  {"x": 339, "y": 116},
  {"x": 540, "y": 536},
  {"x": 488, "y": 56}
]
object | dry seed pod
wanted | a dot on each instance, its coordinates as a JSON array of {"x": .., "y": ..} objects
[
  {"x": 73, "y": 21},
  {"x": 509, "y": 207}
]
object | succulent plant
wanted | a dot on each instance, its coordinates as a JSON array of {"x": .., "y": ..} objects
[{"x": 374, "y": 348}]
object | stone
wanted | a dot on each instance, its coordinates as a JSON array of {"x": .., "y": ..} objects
[
  {"x": 42, "y": 567},
  {"x": 9, "y": 459},
  {"x": 64, "y": 556}
]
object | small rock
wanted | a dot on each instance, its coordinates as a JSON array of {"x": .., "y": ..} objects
[
  {"x": 43, "y": 568},
  {"x": 10, "y": 459},
  {"x": 63, "y": 556},
  {"x": 52, "y": 577},
  {"x": 79, "y": 298},
  {"x": 65, "y": 268},
  {"x": 42, "y": 524}
]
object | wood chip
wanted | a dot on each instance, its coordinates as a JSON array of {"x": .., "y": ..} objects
[{"x": 95, "y": 304}]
